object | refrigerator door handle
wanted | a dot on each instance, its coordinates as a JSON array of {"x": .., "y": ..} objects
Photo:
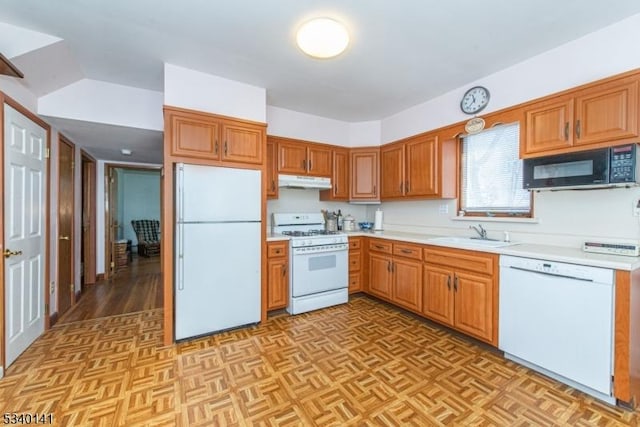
[
  {"x": 180, "y": 263},
  {"x": 180, "y": 192}
]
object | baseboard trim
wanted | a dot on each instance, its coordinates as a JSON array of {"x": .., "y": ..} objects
[{"x": 53, "y": 319}]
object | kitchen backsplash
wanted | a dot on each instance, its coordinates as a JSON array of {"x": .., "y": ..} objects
[
  {"x": 295, "y": 200},
  {"x": 564, "y": 218}
]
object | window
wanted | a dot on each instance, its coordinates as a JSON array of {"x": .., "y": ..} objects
[{"x": 492, "y": 173}]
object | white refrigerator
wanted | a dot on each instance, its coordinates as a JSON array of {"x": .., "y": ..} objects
[{"x": 217, "y": 249}]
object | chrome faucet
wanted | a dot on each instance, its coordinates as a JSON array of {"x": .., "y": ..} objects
[{"x": 480, "y": 230}]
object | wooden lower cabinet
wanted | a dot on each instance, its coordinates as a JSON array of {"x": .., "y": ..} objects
[
  {"x": 277, "y": 275},
  {"x": 397, "y": 279},
  {"x": 355, "y": 264},
  {"x": 406, "y": 289},
  {"x": 380, "y": 275},
  {"x": 461, "y": 291},
  {"x": 437, "y": 299}
]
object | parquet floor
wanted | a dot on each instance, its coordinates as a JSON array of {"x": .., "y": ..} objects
[{"x": 362, "y": 363}]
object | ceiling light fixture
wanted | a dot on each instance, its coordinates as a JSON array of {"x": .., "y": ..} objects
[
  {"x": 125, "y": 152},
  {"x": 322, "y": 38}
]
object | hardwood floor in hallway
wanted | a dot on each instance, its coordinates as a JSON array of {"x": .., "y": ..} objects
[
  {"x": 134, "y": 288},
  {"x": 361, "y": 363}
]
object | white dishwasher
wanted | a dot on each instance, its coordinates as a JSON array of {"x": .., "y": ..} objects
[{"x": 557, "y": 318}]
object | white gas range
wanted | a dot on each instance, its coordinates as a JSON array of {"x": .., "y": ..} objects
[{"x": 318, "y": 262}]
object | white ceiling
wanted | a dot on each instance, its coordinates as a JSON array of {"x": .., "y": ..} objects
[{"x": 402, "y": 53}]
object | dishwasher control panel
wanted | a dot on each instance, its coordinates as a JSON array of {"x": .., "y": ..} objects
[{"x": 554, "y": 268}]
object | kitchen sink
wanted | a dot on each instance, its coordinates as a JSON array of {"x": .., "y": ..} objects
[{"x": 470, "y": 241}]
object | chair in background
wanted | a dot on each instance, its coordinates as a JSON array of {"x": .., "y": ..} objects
[{"x": 148, "y": 234}]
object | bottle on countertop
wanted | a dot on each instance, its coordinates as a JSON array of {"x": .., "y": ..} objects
[{"x": 339, "y": 218}]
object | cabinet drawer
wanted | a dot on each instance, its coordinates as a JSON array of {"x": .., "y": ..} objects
[
  {"x": 461, "y": 259},
  {"x": 408, "y": 250},
  {"x": 277, "y": 249},
  {"x": 355, "y": 283},
  {"x": 355, "y": 261},
  {"x": 355, "y": 243},
  {"x": 380, "y": 246}
]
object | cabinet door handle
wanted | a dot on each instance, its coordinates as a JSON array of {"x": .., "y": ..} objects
[
  {"x": 225, "y": 148},
  {"x": 578, "y": 129},
  {"x": 284, "y": 270},
  {"x": 449, "y": 282},
  {"x": 215, "y": 149},
  {"x": 389, "y": 266},
  {"x": 310, "y": 167},
  {"x": 273, "y": 185},
  {"x": 304, "y": 165},
  {"x": 374, "y": 190},
  {"x": 406, "y": 186},
  {"x": 401, "y": 187},
  {"x": 566, "y": 131},
  {"x": 455, "y": 283}
]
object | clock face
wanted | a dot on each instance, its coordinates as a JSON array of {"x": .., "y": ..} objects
[{"x": 474, "y": 100}]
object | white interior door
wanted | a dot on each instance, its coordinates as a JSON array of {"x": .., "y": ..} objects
[{"x": 24, "y": 231}]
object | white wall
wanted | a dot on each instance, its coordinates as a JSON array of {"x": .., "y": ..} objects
[
  {"x": 296, "y": 200},
  {"x": 205, "y": 92},
  {"x": 102, "y": 102},
  {"x": 293, "y": 124},
  {"x": 140, "y": 199},
  {"x": 609, "y": 51},
  {"x": 565, "y": 218}
]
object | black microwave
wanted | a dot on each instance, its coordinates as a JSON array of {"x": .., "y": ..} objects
[{"x": 612, "y": 166}]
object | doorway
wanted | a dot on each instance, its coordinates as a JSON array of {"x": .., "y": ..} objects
[
  {"x": 65, "y": 281},
  {"x": 88, "y": 229},
  {"x": 132, "y": 193}
]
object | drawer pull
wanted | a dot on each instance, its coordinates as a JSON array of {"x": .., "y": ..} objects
[
  {"x": 406, "y": 251},
  {"x": 379, "y": 247}
]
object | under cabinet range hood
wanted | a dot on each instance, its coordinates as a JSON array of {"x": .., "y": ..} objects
[{"x": 298, "y": 181}]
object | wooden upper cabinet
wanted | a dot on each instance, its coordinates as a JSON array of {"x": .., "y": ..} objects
[
  {"x": 607, "y": 113},
  {"x": 421, "y": 167},
  {"x": 549, "y": 126},
  {"x": 303, "y": 158},
  {"x": 600, "y": 115},
  {"x": 392, "y": 171},
  {"x": 292, "y": 158},
  {"x": 242, "y": 144},
  {"x": 205, "y": 136},
  {"x": 364, "y": 174},
  {"x": 319, "y": 160},
  {"x": 339, "y": 176},
  {"x": 272, "y": 170},
  {"x": 192, "y": 137}
]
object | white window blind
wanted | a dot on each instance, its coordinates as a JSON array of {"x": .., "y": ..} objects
[{"x": 492, "y": 172}]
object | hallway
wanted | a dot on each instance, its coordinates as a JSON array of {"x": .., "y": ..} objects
[{"x": 135, "y": 288}]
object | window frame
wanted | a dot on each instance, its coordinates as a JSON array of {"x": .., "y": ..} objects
[{"x": 488, "y": 214}]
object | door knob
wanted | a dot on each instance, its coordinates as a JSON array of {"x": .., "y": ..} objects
[
  {"x": 64, "y": 238},
  {"x": 7, "y": 253}
]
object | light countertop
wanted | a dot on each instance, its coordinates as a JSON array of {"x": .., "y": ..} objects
[{"x": 528, "y": 250}]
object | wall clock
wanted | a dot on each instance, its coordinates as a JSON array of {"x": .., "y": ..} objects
[{"x": 474, "y": 100}]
